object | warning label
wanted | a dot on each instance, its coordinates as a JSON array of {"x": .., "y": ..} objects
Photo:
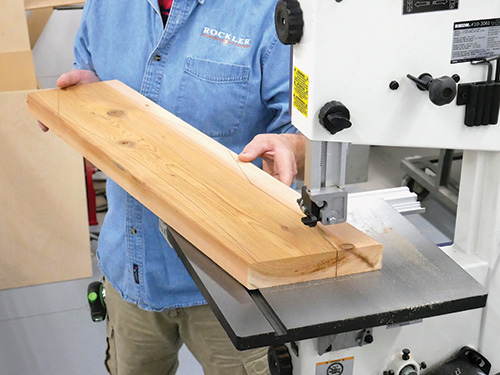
[
  {"x": 300, "y": 91},
  {"x": 475, "y": 40},
  {"x": 342, "y": 366}
]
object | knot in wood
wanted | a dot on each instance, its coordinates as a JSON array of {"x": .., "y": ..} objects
[
  {"x": 127, "y": 143},
  {"x": 347, "y": 246},
  {"x": 115, "y": 113}
]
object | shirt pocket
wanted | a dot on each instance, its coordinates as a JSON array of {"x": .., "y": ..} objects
[{"x": 212, "y": 96}]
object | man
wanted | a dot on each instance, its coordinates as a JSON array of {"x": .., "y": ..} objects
[{"x": 218, "y": 65}]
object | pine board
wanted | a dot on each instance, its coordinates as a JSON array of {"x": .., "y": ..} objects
[{"x": 243, "y": 219}]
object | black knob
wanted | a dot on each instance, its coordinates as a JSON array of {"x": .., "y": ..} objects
[
  {"x": 369, "y": 339},
  {"x": 288, "y": 21},
  {"x": 334, "y": 116},
  {"x": 394, "y": 85},
  {"x": 280, "y": 362},
  {"x": 406, "y": 354},
  {"x": 442, "y": 90}
]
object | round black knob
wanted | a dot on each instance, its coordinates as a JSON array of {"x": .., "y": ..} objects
[
  {"x": 280, "y": 362},
  {"x": 442, "y": 90},
  {"x": 369, "y": 339},
  {"x": 406, "y": 354},
  {"x": 288, "y": 21},
  {"x": 334, "y": 116},
  {"x": 394, "y": 85}
]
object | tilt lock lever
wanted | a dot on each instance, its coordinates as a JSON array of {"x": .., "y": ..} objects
[{"x": 442, "y": 90}]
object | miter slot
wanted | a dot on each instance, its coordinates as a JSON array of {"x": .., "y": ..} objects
[{"x": 268, "y": 312}]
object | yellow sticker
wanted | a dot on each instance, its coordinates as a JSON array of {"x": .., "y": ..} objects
[{"x": 300, "y": 90}]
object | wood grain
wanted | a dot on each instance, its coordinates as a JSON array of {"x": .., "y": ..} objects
[
  {"x": 243, "y": 219},
  {"x": 44, "y": 235}
]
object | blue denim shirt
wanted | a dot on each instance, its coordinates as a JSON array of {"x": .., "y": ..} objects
[{"x": 217, "y": 65}]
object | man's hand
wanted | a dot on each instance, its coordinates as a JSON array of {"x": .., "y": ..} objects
[
  {"x": 282, "y": 155},
  {"x": 73, "y": 78}
]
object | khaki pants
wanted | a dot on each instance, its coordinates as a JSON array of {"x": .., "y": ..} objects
[{"x": 146, "y": 343}]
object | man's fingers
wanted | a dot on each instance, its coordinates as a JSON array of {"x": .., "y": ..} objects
[
  {"x": 285, "y": 168},
  {"x": 279, "y": 160},
  {"x": 256, "y": 148},
  {"x": 76, "y": 77},
  {"x": 68, "y": 79}
]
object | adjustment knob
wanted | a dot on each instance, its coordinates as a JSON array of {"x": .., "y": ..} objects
[
  {"x": 442, "y": 90},
  {"x": 280, "y": 362},
  {"x": 334, "y": 116},
  {"x": 288, "y": 21}
]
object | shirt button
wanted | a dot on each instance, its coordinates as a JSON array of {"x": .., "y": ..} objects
[
  {"x": 133, "y": 231},
  {"x": 157, "y": 57}
]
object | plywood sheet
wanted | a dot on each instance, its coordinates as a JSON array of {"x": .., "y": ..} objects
[
  {"x": 38, "y": 4},
  {"x": 13, "y": 29},
  {"x": 37, "y": 20},
  {"x": 17, "y": 71},
  {"x": 44, "y": 234},
  {"x": 242, "y": 218}
]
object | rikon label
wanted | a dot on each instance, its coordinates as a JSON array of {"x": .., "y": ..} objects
[{"x": 475, "y": 40}]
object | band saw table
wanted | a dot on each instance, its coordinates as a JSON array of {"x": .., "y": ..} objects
[{"x": 417, "y": 280}]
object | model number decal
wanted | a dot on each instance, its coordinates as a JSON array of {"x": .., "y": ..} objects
[{"x": 475, "y": 40}]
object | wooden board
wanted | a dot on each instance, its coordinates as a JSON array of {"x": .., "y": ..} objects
[
  {"x": 242, "y": 218},
  {"x": 44, "y": 233}
]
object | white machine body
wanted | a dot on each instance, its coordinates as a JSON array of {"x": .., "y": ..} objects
[
  {"x": 430, "y": 341},
  {"x": 351, "y": 51}
]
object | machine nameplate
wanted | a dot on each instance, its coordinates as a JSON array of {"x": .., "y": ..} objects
[
  {"x": 475, "y": 40},
  {"x": 300, "y": 91},
  {"x": 421, "y": 6},
  {"x": 342, "y": 366}
]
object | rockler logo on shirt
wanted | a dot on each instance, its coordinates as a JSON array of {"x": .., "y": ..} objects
[{"x": 225, "y": 38}]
